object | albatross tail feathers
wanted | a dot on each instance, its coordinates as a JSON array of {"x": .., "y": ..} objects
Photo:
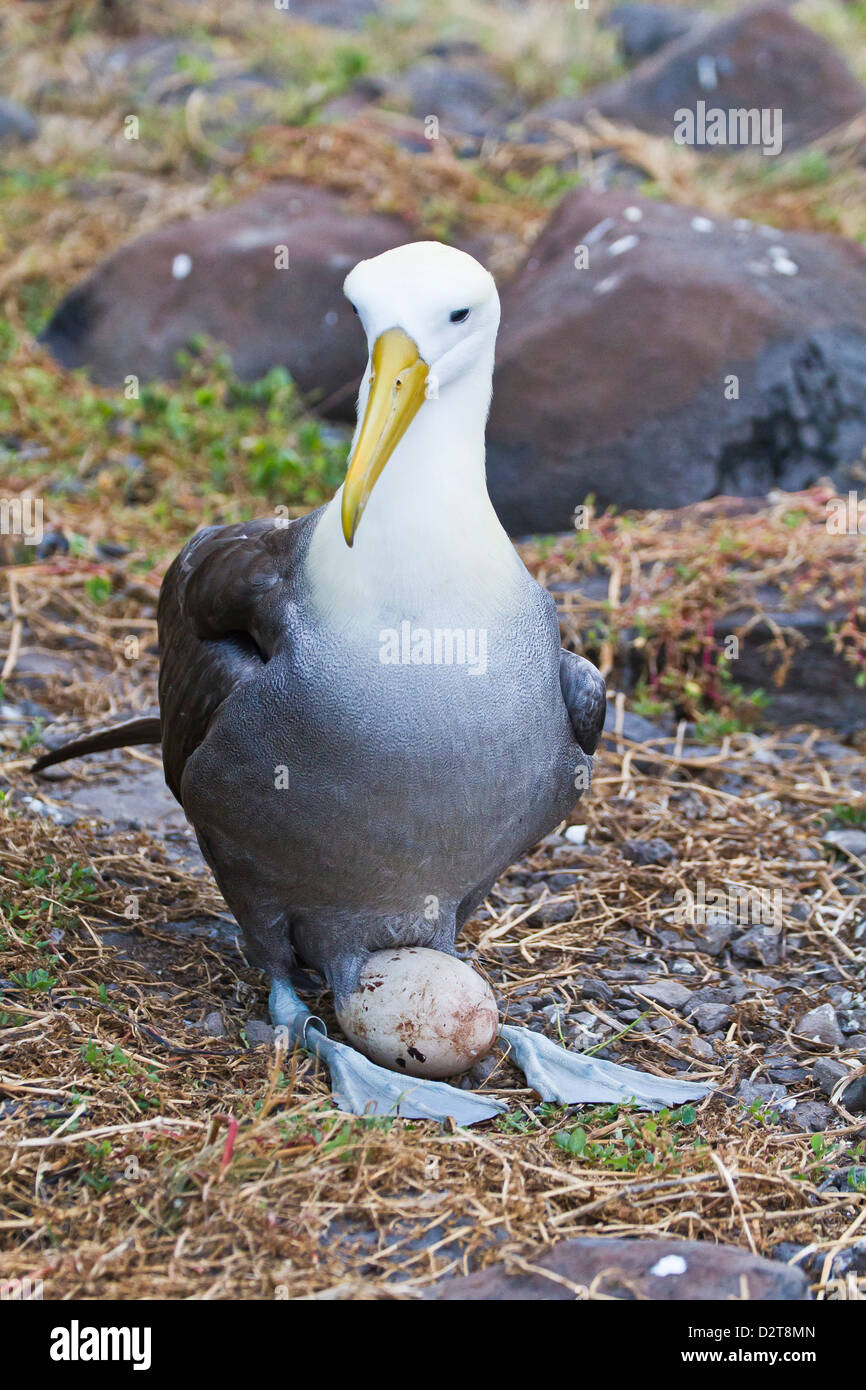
[{"x": 143, "y": 730}]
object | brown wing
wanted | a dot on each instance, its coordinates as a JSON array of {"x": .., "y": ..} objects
[{"x": 222, "y": 612}]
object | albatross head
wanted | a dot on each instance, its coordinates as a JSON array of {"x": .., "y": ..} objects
[{"x": 430, "y": 313}]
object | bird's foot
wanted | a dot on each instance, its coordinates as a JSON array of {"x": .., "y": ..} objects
[
  {"x": 360, "y": 1087},
  {"x": 363, "y": 1088},
  {"x": 572, "y": 1077}
]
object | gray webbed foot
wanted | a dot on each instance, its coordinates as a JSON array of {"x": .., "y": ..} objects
[
  {"x": 571, "y": 1077},
  {"x": 363, "y": 1088},
  {"x": 360, "y": 1087}
]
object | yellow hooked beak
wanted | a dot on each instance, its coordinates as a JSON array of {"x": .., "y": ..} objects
[{"x": 397, "y": 385}]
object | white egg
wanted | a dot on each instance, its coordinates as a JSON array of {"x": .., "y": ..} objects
[{"x": 420, "y": 1012}]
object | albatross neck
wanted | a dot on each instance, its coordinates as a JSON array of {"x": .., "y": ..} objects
[{"x": 429, "y": 537}]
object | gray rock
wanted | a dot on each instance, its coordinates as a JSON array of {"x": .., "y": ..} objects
[
  {"x": 821, "y": 1025},
  {"x": 668, "y": 992},
  {"x": 642, "y": 30},
  {"x": 655, "y": 851},
  {"x": 214, "y": 1025},
  {"x": 764, "y": 1092},
  {"x": 16, "y": 123},
  {"x": 710, "y": 1018},
  {"x": 337, "y": 14},
  {"x": 851, "y": 841},
  {"x": 634, "y": 726},
  {"x": 714, "y": 937},
  {"x": 813, "y": 1116},
  {"x": 761, "y": 944},
  {"x": 795, "y": 340},
  {"x": 662, "y": 1270},
  {"x": 257, "y": 1033},
  {"x": 827, "y": 1074},
  {"x": 785, "y": 1070},
  {"x": 462, "y": 91}
]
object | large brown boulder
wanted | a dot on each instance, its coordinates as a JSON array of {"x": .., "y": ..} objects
[
  {"x": 758, "y": 58},
  {"x": 616, "y": 379},
  {"x": 218, "y": 275},
  {"x": 663, "y": 1270}
]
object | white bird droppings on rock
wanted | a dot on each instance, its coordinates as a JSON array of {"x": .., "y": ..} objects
[
  {"x": 702, "y": 224},
  {"x": 708, "y": 76},
  {"x": 783, "y": 266},
  {"x": 605, "y": 286},
  {"x": 181, "y": 266},
  {"x": 625, "y": 243},
  {"x": 742, "y": 224},
  {"x": 667, "y": 1265},
  {"x": 331, "y": 317},
  {"x": 633, "y": 214},
  {"x": 600, "y": 229}
]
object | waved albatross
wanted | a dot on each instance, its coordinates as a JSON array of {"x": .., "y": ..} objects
[{"x": 367, "y": 711}]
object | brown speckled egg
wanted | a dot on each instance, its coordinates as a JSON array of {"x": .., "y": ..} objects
[{"x": 420, "y": 1012}]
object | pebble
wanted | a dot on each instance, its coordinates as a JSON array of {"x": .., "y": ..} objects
[
  {"x": 827, "y": 1073},
  {"x": 710, "y": 1018},
  {"x": 813, "y": 1116},
  {"x": 668, "y": 992},
  {"x": 655, "y": 851},
  {"x": 851, "y": 841},
  {"x": 761, "y": 944},
  {"x": 714, "y": 937},
  {"x": 821, "y": 1025},
  {"x": 214, "y": 1025},
  {"x": 258, "y": 1032},
  {"x": 765, "y": 1092}
]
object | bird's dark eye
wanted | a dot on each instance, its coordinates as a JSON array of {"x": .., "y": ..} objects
[
  {"x": 354, "y": 308},
  {"x": 459, "y": 315}
]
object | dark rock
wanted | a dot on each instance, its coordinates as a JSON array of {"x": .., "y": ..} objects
[
  {"x": 813, "y": 1116},
  {"x": 595, "y": 989},
  {"x": 821, "y": 1025},
  {"x": 634, "y": 726},
  {"x": 642, "y": 30},
  {"x": 788, "y": 313},
  {"x": 337, "y": 14},
  {"x": 827, "y": 1074},
  {"x": 756, "y": 59},
  {"x": 710, "y": 1018},
  {"x": 761, "y": 944},
  {"x": 655, "y": 851},
  {"x": 217, "y": 276},
  {"x": 662, "y": 1270},
  {"x": 464, "y": 94},
  {"x": 258, "y": 1033},
  {"x": 785, "y": 1070},
  {"x": 16, "y": 123},
  {"x": 762, "y": 1091},
  {"x": 549, "y": 913},
  {"x": 714, "y": 937},
  {"x": 53, "y": 542},
  {"x": 670, "y": 993},
  {"x": 851, "y": 1258}
]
